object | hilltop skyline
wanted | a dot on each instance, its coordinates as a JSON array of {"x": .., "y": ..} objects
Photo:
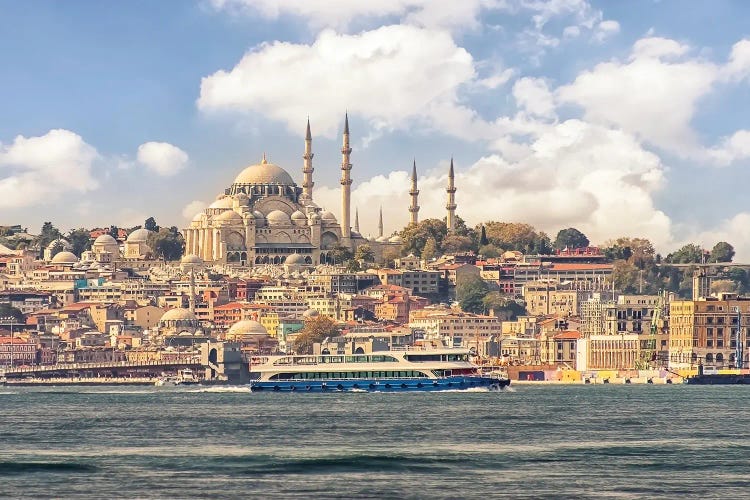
[{"x": 616, "y": 121}]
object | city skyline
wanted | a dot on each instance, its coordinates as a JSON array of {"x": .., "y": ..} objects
[{"x": 617, "y": 121}]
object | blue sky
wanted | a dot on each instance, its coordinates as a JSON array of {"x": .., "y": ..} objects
[{"x": 619, "y": 118}]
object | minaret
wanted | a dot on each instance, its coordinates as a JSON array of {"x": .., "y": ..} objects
[
  {"x": 450, "y": 221},
  {"x": 414, "y": 192},
  {"x": 346, "y": 185},
  {"x": 380, "y": 223},
  {"x": 356, "y": 220},
  {"x": 307, "y": 169}
]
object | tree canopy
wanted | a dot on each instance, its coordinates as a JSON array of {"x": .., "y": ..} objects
[
  {"x": 150, "y": 224},
  {"x": 80, "y": 240},
  {"x": 315, "y": 330},
  {"x": 471, "y": 293},
  {"x": 167, "y": 244},
  {"x": 517, "y": 236},
  {"x": 688, "y": 254},
  {"x": 570, "y": 238},
  {"x": 364, "y": 253},
  {"x": 722, "y": 252},
  {"x": 414, "y": 236}
]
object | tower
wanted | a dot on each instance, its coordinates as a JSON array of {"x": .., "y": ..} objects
[
  {"x": 380, "y": 223},
  {"x": 414, "y": 193},
  {"x": 307, "y": 169},
  {"x": 450, "y": 221},
  {"x": 346, "y": 185},
  {"x": 356, "y": 220}
]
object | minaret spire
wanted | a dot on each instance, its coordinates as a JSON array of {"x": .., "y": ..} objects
[
  {"x": 346, "y": 185},
  {"x": 307, "y": 169},
  {"x": 356, "y": 219},
  {"x": 380, "y": 223},
  {"x": 450, "y": 221},
  {"x": 414, "y": 193}
]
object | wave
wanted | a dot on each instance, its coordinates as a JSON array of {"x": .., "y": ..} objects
[
  {"x": 8, "y": 468},
  {"x": 340, "y": 464},
  {"x": 222, "y": 389}
]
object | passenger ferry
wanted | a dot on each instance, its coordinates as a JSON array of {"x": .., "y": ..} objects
[{"x": 412, "y": 369}]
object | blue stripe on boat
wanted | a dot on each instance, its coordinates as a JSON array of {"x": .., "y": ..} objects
[{"x": 378, "y": 385}]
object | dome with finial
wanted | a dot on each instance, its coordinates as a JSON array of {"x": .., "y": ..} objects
[{"x": 264, "y": 173}]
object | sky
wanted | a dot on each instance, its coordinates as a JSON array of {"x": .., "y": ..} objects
[{"x": 617, "y": 118}]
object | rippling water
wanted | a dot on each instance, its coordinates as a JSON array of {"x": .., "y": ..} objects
[{"x": 604, "y": 441}]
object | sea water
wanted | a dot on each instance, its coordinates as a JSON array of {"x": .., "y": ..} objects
[{"x": 603, "y": 441}]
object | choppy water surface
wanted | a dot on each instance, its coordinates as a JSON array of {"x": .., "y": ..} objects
[{"x": 535, "y": 441}]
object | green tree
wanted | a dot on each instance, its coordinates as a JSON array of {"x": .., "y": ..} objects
[
  {"x": 517, "y": 236},
  {"x": 415, "y": 236},
  {"x": 166, "y": 244},
  {"x": 389, "y": 255},
  {"x": 722, "y": 252},
  {"x": 570, "y": 238},
  {"x": 9, "y": 312},
  {"x": 454, "y": 243},
  {"x": 80, "y": 240},
  {"x": 503, "y": 306},
  {"x": 341, "y": 255},
  {"x": 316, "y": 330},
  {"x": 483, "y": 241},
  {"x": 430, "y": 250},
  {"x": 150, "y": 224},
  {"x": 364, "y": 253},
  {"x": 724, "y": 286},
  {"x": 688, "y": 254},
  {"x": 353, "y": 266},
  {"x": 470, "y": 294},
  {"x": 490, "y": 251},
  {"x": 47, "y": 235},
  {"x": 637, "y": 251}
]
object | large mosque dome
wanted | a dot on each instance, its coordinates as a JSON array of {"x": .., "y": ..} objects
[{"x": 264, "y": 173}]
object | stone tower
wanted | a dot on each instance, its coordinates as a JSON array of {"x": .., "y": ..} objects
[
  {"x": 380, "y": 223},
  {"x": 346, "y": 186},
  {"x": 307, "y": 169},
  {"x": 450, "y": 221},
  {"x": 414, "y": 193}
]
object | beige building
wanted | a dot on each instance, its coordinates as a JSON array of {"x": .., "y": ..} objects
[{"x": 552, "y": 299}]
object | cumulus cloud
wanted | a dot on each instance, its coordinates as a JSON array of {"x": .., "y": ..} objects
[
  {"x": 606, "y": 29},
  {"x": 653, "y": 95},
  {"x": 162, "y": 158},
  {"x": 389, "y": 77},
  {"x": 41, "y": 169},
  {"x": 598, "y": 180},
  {"x": 533, "y": 96},
  {"x": 193, "y": 208},
  {"x": 732, "y": 230}
]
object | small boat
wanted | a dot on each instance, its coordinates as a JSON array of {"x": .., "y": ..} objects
[
  {"x": 413, "y": 369},
  {"x": 185, "y": 376}
]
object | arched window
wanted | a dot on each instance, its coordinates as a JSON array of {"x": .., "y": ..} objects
[
  {"x": 719, "y": 358},
  {"x": 709, "y": 358}
]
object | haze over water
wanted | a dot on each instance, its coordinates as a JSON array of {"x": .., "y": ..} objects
[{"x": 534, "y": 441}]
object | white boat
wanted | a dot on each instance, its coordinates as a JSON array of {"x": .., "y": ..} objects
[
  {"x": 413, "y": 369},
  {"x": 185, "y": 376}
]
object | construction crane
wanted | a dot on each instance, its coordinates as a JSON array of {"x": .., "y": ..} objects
[{"x": 648, "y": 348}]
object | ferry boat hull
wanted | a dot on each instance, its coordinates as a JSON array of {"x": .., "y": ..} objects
[{"x": 452, "y": 383}]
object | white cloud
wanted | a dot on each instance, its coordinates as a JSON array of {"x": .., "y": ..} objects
[
  {"x": 533, "y": 96},
  {"x": 732, "y": 230},
  {"x": 193, "y": 208},
  {"x": 571, "y": 32},
  {"x": 162, "y": 158},
  {"x": 733, "y": 148},
  {"x": 389, "y": 77},
  {"x": 652, "y": 95},
  {"x": 605, "y": 30},
  {"x": 39, "y": 169},
  {"x": 738, "y": 66},
  {"x": 574, "y": 174}
]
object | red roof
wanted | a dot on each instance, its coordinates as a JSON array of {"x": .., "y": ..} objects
[
  {"x": 569, "y": 335},
  {"x": 579, "y": 267}
]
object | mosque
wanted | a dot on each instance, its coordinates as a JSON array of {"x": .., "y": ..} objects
[{"x": 265, "y": 218}]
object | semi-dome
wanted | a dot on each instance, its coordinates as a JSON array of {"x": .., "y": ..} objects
[
  {"x": 64, "y": 257},
  {"x": 139, "y": 235},
  {"x": 298, "y": 215},
  {"x": 178, "y": 314},
  {"x": 328, "y": 216},
  {"x": 229, "y": 216},
  {"x": 247, "y": 327},
  {"x": 382, "y": 239},
  {"x": 278, "y": 217},
  {"x": 258, "y": 215},
  {"x": 264, "y": 173},
  {"x": 59, "y": 242},
  {"x": 395, "y": 239},
  {"x": 224, "y": 202},
  {"x": 105, "y": 239}
]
